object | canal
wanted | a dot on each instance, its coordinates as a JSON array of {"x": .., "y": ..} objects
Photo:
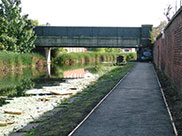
[{"x": 27, "y": 94}]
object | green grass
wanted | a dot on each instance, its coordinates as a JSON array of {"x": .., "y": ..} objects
[
  {"x": 63, "y": 122},
  {"x": 90, "y": 57},
  {"x": 10, "y": 60}
]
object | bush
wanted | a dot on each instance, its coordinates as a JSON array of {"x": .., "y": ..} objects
[
  {"x": 90, "y": 57},
  {"x": 131, "y": 56},
  {"x": 10, "y": 60}
]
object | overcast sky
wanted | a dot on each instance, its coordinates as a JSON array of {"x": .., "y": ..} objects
[{"x": 97, "y": 12}]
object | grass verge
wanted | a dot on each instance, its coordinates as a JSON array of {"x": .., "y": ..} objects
[
  {"x": 10, "y": 61},
  {"x": 64, "y": 121}
]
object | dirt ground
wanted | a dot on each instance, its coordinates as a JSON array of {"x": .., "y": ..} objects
[{"x": 174, "y": 100}]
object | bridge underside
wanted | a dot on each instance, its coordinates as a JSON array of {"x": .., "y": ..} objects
[{"x": 92, "y": 42}]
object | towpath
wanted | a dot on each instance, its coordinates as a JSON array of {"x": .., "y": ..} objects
[{"x": 134, "y": 108}]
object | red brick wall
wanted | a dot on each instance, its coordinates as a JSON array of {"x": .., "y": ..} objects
[{"x": 168, "y": 50}]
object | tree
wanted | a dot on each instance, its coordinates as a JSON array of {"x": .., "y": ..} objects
[
  {"x": 157, "y": 30},
  {"x": 36, "y": 23},
  {"x": 16, "y": 30},
  {"x": 167, "y": 12}
]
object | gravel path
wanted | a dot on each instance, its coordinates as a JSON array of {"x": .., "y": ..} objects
[{"x": 135, "y": 108}]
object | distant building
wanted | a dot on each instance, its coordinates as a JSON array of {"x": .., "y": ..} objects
[
  {"x": 128, "y": 50},
  {"x": 76, "y": 49},
  {"x": 78, "y": 73}
]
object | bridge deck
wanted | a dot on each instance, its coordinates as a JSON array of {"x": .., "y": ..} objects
[
  {"x": 135, "y": 108},
  {"x": 104, "y": 37}
]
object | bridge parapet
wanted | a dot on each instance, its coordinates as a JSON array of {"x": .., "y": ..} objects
[{"x": 108, "y": 37}]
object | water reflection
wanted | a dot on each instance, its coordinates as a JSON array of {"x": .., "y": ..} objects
[
  {"x": 14, "y": 84},
  {"x": 74, "y": 71},
  {"x": 78, "y": 73},
  {"x": 61, "y": 73},
  {"x": 48, "y": 69}
]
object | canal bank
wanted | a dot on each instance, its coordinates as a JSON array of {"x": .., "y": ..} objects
[
  {"x": 31, "y": 107},
  {"x": 90, "y": 57},
  {"x": 15, "y": 62},
  {"x": 74, "y": 110}
]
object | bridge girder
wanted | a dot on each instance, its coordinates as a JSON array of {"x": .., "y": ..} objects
[
  {"x": 93, "y": 42},
  {"x": 94, "y": 37}
]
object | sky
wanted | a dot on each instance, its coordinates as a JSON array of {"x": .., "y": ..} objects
[{"x": 119, "y": 13}]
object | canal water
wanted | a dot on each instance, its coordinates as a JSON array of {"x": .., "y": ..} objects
[
  {"x": 33, "y": 91},
  {"x": 15, "y": 84}
]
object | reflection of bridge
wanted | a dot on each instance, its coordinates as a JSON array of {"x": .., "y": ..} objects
[{"x": 101, "y": 37}]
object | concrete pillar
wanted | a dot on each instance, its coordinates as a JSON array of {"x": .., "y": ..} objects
[
  {"x": 138, "y": 54},
  {"x": 48, "y": 59},
  {"x": 48, "y": 54},
  {"x": 48, "y": 75}
]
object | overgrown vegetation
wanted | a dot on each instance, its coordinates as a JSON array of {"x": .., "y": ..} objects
[
  {"x": 16, "y": 30},
  {"x": 113, "y": 50},
  {"x": 90, "y": 57},
  {"x": 174, "y": 99},
  {"x": 67, "y": 119},
  {"x": 10, "y": 61},
  {"x": 156, "y": 31}
]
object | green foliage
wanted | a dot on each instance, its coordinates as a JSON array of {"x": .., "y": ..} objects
[
  {"x": 36, "y": 23},
  {"x": 16, "y": 30},
  {"x": 105, "y": 50},
  {"x": 112, "y": 50},
  {"x": 90, "y": 57},
  {"x": 83, "y": 57},
  {"x": 56, "y": 51},
  {"x": 131, "y": 56},
  {"x": 11, "y": 60},
  {"x": 157, "y": 30},
  {"x": 97, "y": 49}
]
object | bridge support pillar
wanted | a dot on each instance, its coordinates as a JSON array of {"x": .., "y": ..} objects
[
  {"x": 48, "y": 75},
  {"x": 138, "y": 54},
  {"x": 48, "y": 54},
  {"x": 48, "y": 59}
]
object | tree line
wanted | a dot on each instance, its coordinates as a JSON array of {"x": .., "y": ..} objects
[{"x": 16, "y": 30}]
